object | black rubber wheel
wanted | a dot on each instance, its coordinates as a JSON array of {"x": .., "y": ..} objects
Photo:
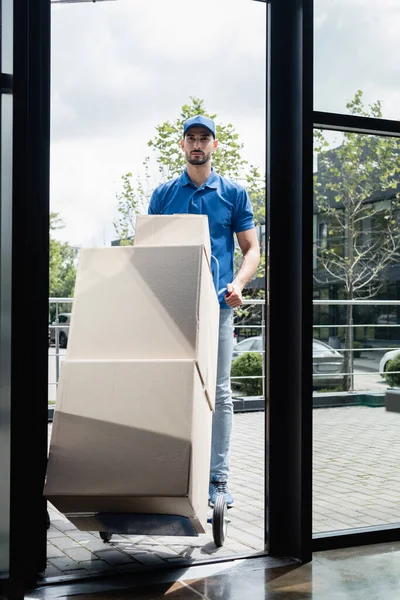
[
  {"x": 219, "y": 521},
  {"x": 48, "y": 520},
  {"x": 105, "y": 536}
]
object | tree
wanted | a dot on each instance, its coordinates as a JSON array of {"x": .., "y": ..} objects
[
  {"x": 228, "y": 161},
  {"x": 356, "y": 189},
  {"x": 62, "y": 268},
  {"x": 133, "y": 200}
]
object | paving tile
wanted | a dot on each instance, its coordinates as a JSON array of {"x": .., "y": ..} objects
[
  {"x": 94, "y": 565},
  {"x": 63, "y": 525},
  {"x": 64, "y": 542},
  {"x": 52, "y": 571},
  {"x": 53, "y": 552},
  {"x": 53, "y": 532},
  {"x": 162, "y": 551},
  {"x": 114, "y": 557},
  {"x": 64, "y": 563},
  {"x": 149, "y": 559},
  {"x": 78, "y": 554},
  {"x": 94, "y": 545},
  {"x": 244, "y": 538},
  {"x": 82, "y": 536}
]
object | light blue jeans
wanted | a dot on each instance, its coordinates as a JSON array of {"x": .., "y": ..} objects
[{"x": 223, "y": 415}]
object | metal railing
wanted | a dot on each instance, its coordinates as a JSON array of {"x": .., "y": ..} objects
[
  {"x": 57, "y": 302},
  {"x": 261, "y": 326},
  {"x": 241, "y": 325},
  {"x": 354, "y": 326}
]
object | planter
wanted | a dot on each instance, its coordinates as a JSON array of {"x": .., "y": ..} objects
[{"x": 393, "y": 400}]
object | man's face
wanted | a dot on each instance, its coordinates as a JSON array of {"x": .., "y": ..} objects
[{"x": 198, "y": 145}]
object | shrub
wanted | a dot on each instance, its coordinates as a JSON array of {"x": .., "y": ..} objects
[
  {"x": 357, "y": 354},
  {"x": 330, "y": 390},
  {"x": 248, "y": 365},
  {"x": 393, "y": 379}
]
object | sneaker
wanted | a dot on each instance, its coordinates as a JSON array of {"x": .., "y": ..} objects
[{"x": 219, "y": 487}]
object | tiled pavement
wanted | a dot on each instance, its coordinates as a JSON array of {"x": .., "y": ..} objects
[
  {"x": 356, "y": 468},
  {"x": 73, "y": 552},
  {"x": 356, "y": 484}
]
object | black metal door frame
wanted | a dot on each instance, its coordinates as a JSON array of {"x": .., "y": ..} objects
[
  {"x": 289, "y": 324},
  {"x": 29, "y": 251}
]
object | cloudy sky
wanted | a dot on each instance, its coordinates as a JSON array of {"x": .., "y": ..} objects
[{"x": 120, "y": 68}]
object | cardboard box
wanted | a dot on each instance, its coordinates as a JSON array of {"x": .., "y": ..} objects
[
  {"x": 146, "y": 303},
  {"x": 173, "y": 230},
  {"x": 130, "y": 436},
  {"x": 132, "y": 424}
]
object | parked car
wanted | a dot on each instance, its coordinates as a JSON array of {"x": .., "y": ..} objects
[
  {"x": 390, "y": 355},
  {"x": 387, "y": 320},
  {"x": 63, "y": 319},
  {"x": 251, "y": 344},
  {"x": 328, "y": 363}
]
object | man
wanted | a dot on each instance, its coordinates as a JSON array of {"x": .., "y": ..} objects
[{"x": 199, "y": 190}]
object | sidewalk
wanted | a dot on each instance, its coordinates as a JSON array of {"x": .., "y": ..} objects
[{"x": 356, "y": 484}]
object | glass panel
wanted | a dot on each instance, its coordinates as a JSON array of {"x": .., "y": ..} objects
[
  {"x": 157, "y": 64},
  {"x": 357, "y": 319},
  {"x": 357, "y": 48},
  {"x": 5, "y": 325},
  {"x": 7, "y": 36}
]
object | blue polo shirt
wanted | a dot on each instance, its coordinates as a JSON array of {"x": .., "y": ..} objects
[{"x": 227, "y": 206}]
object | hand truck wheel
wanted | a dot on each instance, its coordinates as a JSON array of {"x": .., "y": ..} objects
[
  {"x": 105, "y": 536},
  {"x": 219, "y": 521}
]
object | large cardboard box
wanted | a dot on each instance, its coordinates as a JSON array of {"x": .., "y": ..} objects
[
  {"x": 146, "y": 303},
  {"x": 173, "y": 230},
  {"x": 132, "y": 425},
  {"x": 130, "y": 436}
]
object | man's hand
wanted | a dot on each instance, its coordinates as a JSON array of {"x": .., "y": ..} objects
[{"x": 233, "y": 298}]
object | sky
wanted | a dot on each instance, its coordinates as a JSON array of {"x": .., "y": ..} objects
[{"x": 120, "y": 68}]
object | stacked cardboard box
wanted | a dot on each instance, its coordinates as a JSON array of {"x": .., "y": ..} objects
[{"x": 132, "y": 425}]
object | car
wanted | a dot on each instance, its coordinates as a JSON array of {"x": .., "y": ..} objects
[
  {"x": 387, "y": 320},
  {"x": 251, "y": 344},
  {"x": 328, "y": 363},
  {"x": 390, "y": 355},
  {"x": 63, "y": 319},
  {"x": 328, "y": 366}
]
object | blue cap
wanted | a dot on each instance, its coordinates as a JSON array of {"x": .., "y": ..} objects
[{"x": 199, "y": 121}]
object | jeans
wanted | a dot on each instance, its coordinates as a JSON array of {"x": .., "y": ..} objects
[{"x": 223, "y": 415}]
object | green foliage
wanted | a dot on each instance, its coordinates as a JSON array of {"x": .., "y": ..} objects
[
  {"x": 363, "y": 237},
  {"x": 357, "y": 352},
  {"x": 356, "y": 192},
  {"x": 393, "y": 379},
  {"x": 62, "y": 267},
  {"x": 132, "y": 200},
  {"x": 329, "y": 390},
  {"x": 227, "y": 160},
  {"x": 248, "y": 365}
]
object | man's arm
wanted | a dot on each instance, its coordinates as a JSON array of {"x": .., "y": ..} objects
[{"x": 250, "y": 248}]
